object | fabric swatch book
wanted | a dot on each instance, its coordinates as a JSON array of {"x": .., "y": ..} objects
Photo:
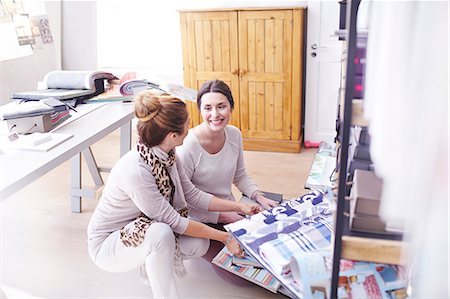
[
  {"x": 69, "y": 85},
  {"x": 273, "y": 237},
  {"x": 225, "y": 260}
]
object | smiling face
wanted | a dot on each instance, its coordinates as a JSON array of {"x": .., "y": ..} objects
[{"x": 216, "y": 110}]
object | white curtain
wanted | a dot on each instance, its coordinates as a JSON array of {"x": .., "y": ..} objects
[{"x": 406, "y": 103}]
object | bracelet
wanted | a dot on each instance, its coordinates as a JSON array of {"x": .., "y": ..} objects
[
  {"x": 256, "y": 194},
  {"x": 228, "y": 240}
]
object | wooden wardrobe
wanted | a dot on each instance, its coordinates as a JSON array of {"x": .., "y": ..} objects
[{"x": 259, "y": 54}]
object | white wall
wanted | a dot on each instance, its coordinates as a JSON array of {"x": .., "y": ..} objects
[
  {"x": 79, "y": 35},
  {"x": 133, "y": 35},
  {"x": 23, "y": 74}
]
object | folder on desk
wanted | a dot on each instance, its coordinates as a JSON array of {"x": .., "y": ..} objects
[
  {"x": 34, "y": 116},
  {"x": 36, "y": 142}
]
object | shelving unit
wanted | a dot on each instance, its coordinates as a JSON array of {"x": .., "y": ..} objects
[{"x": 347, "y": 244}]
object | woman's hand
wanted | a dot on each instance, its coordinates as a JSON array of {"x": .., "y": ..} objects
[
  {"x": 234, "y": 247},
  {"x": 229, "y": 217},
  {"x": 250, "y": 209},
  {"x": 265, "y": 202}
]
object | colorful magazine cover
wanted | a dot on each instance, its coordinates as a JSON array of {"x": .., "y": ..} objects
[
  {"x": 361, "y": 283},
  {"x": 312, "y": 270},
  {"x": 257, "y": 275}
]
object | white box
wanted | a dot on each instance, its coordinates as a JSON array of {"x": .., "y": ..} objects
[{"x": 26, "y": 125}]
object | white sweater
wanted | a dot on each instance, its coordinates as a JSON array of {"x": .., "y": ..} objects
[
  {"x": 215, "y": 173},
  {"x": 131, "y": 189}
]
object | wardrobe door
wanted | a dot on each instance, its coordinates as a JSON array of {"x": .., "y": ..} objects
[
  {"x": 265, "y": 73},
  {"x": 210, "y": 51}
]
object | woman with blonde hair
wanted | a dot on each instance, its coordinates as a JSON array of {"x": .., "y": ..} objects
[{"x": 141, "y": 218}]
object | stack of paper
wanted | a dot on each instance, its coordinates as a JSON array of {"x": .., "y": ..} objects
[{"x": 38, "y": 142}]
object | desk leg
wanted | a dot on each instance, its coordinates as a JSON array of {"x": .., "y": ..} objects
[
  {"x": 125, "y": 138},
  {"x": 75, "y": 187},
  {"x": 76, "y": 192},
  {"x": 75, "y": 184},
  {"x": 93, "y": 168}
]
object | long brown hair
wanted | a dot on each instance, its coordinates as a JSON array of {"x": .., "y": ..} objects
[
  {"x": 158, "y": 115},
  {"x": 215, "y": 86}
]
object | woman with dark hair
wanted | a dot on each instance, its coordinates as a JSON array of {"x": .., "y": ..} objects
[
  {"x": 213, "y": 157},
  {"x": 141, "y": 218}
]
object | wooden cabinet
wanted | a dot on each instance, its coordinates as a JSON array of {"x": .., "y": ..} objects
[{"x": 259, "y": 54}]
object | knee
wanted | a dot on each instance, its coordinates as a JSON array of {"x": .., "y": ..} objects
[
  {"x": 191, "y": 247},
  {"x": 203, "y": 247},
  {"x": 160, "y": 236}
]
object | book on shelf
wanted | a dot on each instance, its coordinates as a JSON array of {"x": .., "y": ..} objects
[
  {"x": 362, "y": 152},
  {"x": 366, "y": 193},
  {"x": 71, "y": 86},
  {"x": 225, "y": 260},
  {"x": 367, "y": 224},
  {"x": 364, "y": 137},
  {"x": 365, "y": 202}
]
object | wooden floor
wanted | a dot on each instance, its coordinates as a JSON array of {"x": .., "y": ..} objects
[{"x": 44, "y": 249}]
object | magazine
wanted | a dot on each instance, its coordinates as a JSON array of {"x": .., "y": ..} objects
[
  {"x": 246, "y": 261},
  {"x": 321, "y": 172},
  {"x": 312, "y": 270},
  {"x": 323, "y": 167},
  {"x": 225, "y": 260}
]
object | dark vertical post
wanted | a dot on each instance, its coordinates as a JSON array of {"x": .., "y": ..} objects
[{"x": 352, "y": 9}]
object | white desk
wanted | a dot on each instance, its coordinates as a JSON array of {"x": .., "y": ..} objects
[{"x": 19, "y": 168}]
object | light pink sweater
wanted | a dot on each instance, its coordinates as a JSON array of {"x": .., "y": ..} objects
[
  {"x": 131, "y": 189},
  {"x": 215, "y": 173}
]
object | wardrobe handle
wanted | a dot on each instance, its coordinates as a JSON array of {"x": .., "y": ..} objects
[
  {"x": 242, "y": 72},
  {"x": 234, "y": 71}
]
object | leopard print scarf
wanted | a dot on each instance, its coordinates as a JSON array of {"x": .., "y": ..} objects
[{"x": 133, "y": 236}]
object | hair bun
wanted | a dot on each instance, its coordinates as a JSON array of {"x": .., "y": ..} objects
[{"x": 147, "y": 105}]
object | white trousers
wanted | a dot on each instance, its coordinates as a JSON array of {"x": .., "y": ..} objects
[{"x": 156, "y": 252}]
